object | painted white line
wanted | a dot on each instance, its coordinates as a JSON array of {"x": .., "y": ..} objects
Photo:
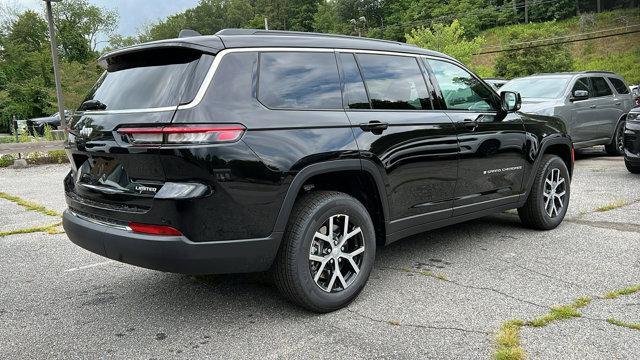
[{"x": 89, "y": 266}]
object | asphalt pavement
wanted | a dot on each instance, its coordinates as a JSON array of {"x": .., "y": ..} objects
[{"x": 438, "y": 295}]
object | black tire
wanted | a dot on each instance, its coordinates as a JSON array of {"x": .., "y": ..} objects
[
  {"x": 616, "y": 148},
  {"x": 292, "y": 269},
  {"x": 632, "y": 168},
  {"x": 534, "y": 213}
]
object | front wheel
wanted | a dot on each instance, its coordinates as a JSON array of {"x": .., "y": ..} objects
[
  {"x": 548, "y": 199},
  {"x": 616, "y": 148},
  {"x": 327, "y": 251}
]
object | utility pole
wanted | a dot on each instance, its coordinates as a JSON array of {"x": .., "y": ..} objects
[
  {"x": 266, "y": 24},
  {"x": 526, "y": 11},
  {"x": 599, "y": 6},
  {"x": 56, "y": 69}
]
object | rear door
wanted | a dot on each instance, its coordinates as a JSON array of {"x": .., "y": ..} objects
[
  {"x": 584, "y": 120},
  {"x": 137, "y": 90},
  {"x": 606, "y": 112},
  {"x": 396, "y": 126},
  {"x": 491, "y": 142}
]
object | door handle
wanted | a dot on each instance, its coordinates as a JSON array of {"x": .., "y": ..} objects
[
  {"x": 470, "y": 124},
  {"x": 374, "y": 126},
  {"x": 592, "y": 106}
]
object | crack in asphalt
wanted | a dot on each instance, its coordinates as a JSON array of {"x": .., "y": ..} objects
[
  {"x": 544, "y": 275},
  {"x": 619, "y": 226},
  {"x": 474, "y": 287},
  {"x": 421, "y": 326}
]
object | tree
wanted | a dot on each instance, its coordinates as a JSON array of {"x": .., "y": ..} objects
[
  {"x": 29, "y": 30},
  {"x": 530, "y": 60},
  {"x": 79, "y": 24},
  {"x": 448, "y": 39}
]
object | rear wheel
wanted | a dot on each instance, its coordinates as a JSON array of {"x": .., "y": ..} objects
[
  {"x": 616, "y": 148},
  {"x": 548, "y": 199},
  {"x": 327, "y": 251},
  {"x": 634, "y": 169}
]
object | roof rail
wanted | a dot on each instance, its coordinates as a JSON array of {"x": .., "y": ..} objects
[
  {"x": 597, "y": 71},
  {"x": 300, "y": 33}
]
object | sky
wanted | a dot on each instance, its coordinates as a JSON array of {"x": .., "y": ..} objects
[{"x": 134, "y": 14}]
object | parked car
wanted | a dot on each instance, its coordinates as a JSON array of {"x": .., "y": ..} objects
[
  {"x": 496, "y": 83},
  {"x": 632, "y": 141},
  {"x": 593, "y": 104},
  {"x": 635, "y": 92},
  {"x": 300, "y": 154},
  {"x": 36, "y": 126}
]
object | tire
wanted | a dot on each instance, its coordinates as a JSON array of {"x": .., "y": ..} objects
[
  {"x": 616, "y": 148},
  {"x": 632, "y": 168},
  {"x": 535, "y": 213},
  {"x": 293, "y": 269}
]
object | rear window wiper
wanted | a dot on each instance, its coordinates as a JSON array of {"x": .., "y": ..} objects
[{"x": 92, "y": 105}]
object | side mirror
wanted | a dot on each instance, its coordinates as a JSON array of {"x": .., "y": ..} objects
[
  {"x": 580, "y": 95},
  {"x": 511, "y": 100}
]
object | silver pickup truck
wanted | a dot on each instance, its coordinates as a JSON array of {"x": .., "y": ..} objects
[{"x": 593, "y": 104}]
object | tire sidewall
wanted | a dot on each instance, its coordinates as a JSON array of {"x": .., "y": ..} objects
[
  {"x": 553, "y": 163},
  {"x": 360, "y": 217}
]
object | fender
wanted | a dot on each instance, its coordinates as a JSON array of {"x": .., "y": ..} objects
[
  {"x": 326, "y": 167},
  {"x": 546, "y": 143},
  {"x": 613, "y": 135}
]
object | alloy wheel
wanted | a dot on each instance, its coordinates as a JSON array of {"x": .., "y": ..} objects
[
  {"x": 554, "y": 193},
  {"x": 336, "y": 254}
]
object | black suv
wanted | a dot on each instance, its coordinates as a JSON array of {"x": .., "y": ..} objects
[
  {"x": 298, "y": 153},
  {"x": 632, "y": 141}
]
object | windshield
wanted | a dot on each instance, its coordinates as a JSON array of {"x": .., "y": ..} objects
[
  {"x": 547, "y": 87},
  {"x": 148, "y": 79}
]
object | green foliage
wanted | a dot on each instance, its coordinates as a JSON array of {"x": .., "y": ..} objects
[
  {"x": 625, "y": 64},
  {"x": 530, "y": 60},
  {"x": 6, "y": 160},
  {"x": 448, "y": 39}
]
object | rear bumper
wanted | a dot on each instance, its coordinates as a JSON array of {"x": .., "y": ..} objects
[{"x": 171, "y": 253}]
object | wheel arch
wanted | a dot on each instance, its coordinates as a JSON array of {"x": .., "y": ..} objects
[
  {"x": 560, "y": 146},
  {"x": 348, "y": 172}
]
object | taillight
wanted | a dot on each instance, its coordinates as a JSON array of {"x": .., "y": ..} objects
[
  {"x": 182, "y": 134},
  {"x": 149, "y": 229}
]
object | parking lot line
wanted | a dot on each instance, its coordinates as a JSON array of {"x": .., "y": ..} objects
[{"x": 89, "y": 266}]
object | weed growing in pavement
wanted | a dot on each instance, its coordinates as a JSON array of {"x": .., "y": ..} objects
[
  {"x": 633, "y": 326},
  {"x": 626, "y": 291},
  {"x": 508, "y": 340},
  {"x": 49, "y": 229},
  {"x": 29, "y": 205},
  {"x": 611, "y": 206}
]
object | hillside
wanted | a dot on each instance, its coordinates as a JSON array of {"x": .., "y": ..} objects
[{"x": 620, "y": 54}]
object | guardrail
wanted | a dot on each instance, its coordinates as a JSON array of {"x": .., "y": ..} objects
[{"x": 28, "y": 147}]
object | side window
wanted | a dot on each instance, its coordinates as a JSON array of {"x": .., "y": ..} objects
[
  {"x": 299, "y": 80},
  {"x": 619, "y": 85},
  {"x": 582, "y": 84},
  {"x": 461, "y": 91},
  {"x": 355, "y": 91},
  {"x": 600, "y": 87},
  {"x": 394, "y": 82}
]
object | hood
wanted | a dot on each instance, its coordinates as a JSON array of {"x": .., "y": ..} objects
[{"x": 538, "y": 105}]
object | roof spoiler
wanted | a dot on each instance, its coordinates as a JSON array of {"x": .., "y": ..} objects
[{"x": 188, "y": 33}]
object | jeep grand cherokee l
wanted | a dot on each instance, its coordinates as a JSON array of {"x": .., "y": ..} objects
[
  {"x": 593, "y": 104},
  {"x": 300, "y": 154}
]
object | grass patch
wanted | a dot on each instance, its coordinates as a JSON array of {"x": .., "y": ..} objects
[
  {"x": 394, "y": 322},
  {"x": 561, "y": 313},
  {"x": 438, "y": 276},
  {"x": 626, "y": 291},
  {"x": 49, "y": 229},
  {"x": 633, "y": 326},
  {"x": 508, "y": 340},
  {"x": 611, "y": 206},
  {"x": 29, "y": 205}
]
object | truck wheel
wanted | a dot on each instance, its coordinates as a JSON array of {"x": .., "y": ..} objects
[
  {"x": 632, "y": 169},
  {"x": 616, "y": 148},
  {"x": 548, "y": 199},
  {"x": 327, "y": 252}
]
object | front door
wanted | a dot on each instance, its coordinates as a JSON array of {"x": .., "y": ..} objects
[
  {"x": 491, "y": 141},
  {"x": 394, "y": 123}
]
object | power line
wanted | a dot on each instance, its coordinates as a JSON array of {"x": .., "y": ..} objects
[{"x": 559, "y": 42}]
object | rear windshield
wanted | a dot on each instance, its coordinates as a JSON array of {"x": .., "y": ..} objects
[
  {"x": 547, "y": 87},
  {"x": 151, "y": 79}
]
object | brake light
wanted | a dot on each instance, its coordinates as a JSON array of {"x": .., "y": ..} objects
[
  {"x": 149, "y": 229},
  {"x": 182, "y": 134}
]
